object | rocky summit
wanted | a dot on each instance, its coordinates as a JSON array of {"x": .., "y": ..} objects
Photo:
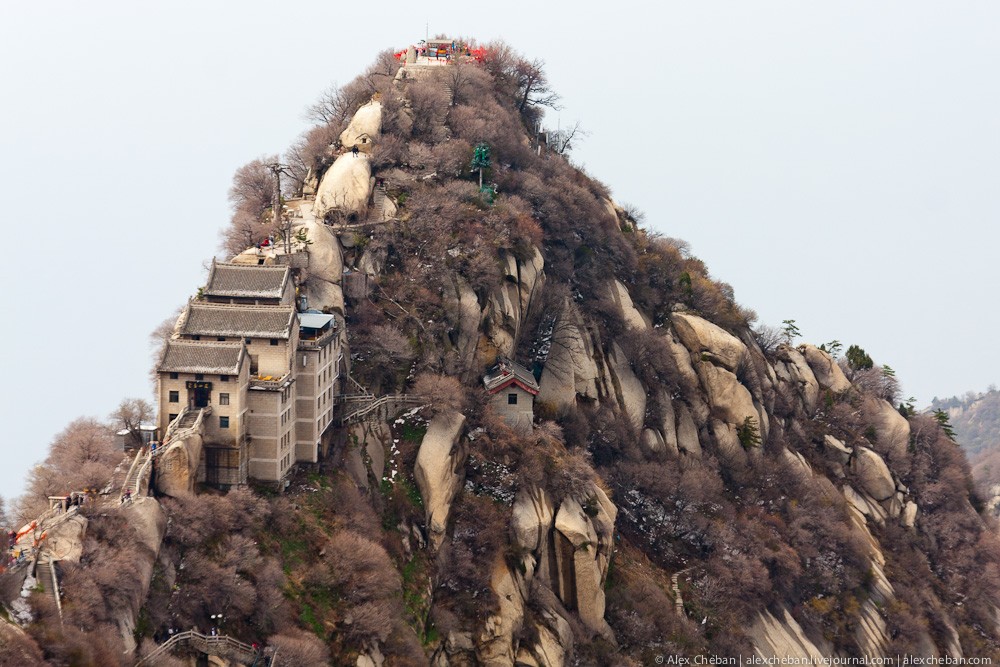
[{"x": 444, "y": 401}]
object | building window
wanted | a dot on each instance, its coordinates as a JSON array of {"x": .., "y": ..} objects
[
  {"x": 248, "y": 341},
  {"x": 199, "y": 377},
  {"x": 223, "y": 399},
  {"x": 511, "y": 399},
  {"x": 274, "y": 341},
  {"x": 221, "y": 339},
  {"x": 173, "y": 376},
  {"x": 223, "y": 378},
  {"x": 195, "y": 337},
  {"x": 175, "y": 397},
  {"x": 223, "y": 422},
  {"x": 171, "y": 417}
]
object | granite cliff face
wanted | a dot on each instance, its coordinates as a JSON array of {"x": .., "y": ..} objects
[{"x": 693, "y": 484}]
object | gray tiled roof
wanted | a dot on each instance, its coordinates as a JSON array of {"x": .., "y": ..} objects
[
  {"x": 212, "y": 319},
  {"x": 188, "y": 356},
  {"x": 247, "y": 281},
  {"x": 505, "y": 372}
]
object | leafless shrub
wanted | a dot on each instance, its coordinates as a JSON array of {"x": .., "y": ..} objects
[
  {"x": 300, "y": 648},
  {"x": 18, "y": 649},
  {"x": 571, "y": 476},
  {"x": 444, "y": 393},
  {"x": 429, "y": 106}
]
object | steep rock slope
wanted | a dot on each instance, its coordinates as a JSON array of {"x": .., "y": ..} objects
[{"x": 691, "y": 486}]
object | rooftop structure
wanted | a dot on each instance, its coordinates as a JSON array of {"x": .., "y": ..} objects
[
  {"x": 506, "y": 373},
  {"x": 236, "y": 321},
  {"x": 214, "y": 357},
  {"x": 227, "y": 282},
  {"x": 513, "y": 388}
]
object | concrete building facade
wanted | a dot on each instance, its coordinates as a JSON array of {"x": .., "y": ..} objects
[{"x": 238, "y": 349}]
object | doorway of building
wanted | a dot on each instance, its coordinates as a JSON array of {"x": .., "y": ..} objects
[{"x": 199, "y": 394}]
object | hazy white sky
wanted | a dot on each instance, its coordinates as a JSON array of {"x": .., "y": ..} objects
[{"x": 836, "y": 162}]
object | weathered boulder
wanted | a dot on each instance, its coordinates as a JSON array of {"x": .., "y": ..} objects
[
  {"x": 863, "y": 506},
  {"x": 462, "y": 308},
  {"x": 826, "y": 370},
  {"x": 364, "y": 127},
  {"x": 555, "y": 638},
  {"x": 324, "y": 274},
  {"x": 364, "y": 453},
  {"x": 793, "y": 370},
  {"x": 687, "y": 380},
  {"x": 496, "y": 643},
  {"x": 687, "y": 432},
  {"x": 508, "y": 305},
  {"x": 729, "y": 400},
  {"x": 892, "y": 431},
  {"x": 438, "y": 470},
  {"x": 836, "y": 449},
  {"x": 909, "y": 517},
  {"x": 532, "y": 517},
  {"x": 570, "y": 369},
  {"x": 626, "y": 387},
  {"x": 873, "y": 474},
  {"x": 783, "y": 637},
  {"x": 177, "y": 467},
  {"x": 149, "y": 520},
  {"x": 727, "y": 444},
  {"x": 346, "y": 186},
  {"x": 709, "y": 342},
  {"x": 583, "y": 555},
  {"x": 630, "y": 314},
  {"x": 797, "y": 463},
  {"x": 65, "y": 541}
]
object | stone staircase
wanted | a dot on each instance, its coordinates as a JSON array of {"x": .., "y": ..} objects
[{"x": 45, "y": 574}]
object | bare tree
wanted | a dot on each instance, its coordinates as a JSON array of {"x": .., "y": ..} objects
[
  {"x": 129, "y": 416},
  {"x": 251, "y": 196},
  {"x": 83, "y": 456},
  {"x": 522, "y": 80},
  {"x": 533, "y": 85},
  {"x": 334, "y": 105},
  {"x": 561, "y": 141}
]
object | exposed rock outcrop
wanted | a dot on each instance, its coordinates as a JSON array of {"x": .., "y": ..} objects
[
  {"x": 324, "y": 275},
  {"x": 177, "y": 467},
  {"x": 149, "y": 521},
  {"x": 794, "y": 372},
  {"x": 364, "y": 452},
  {"x": 783, "y": 637},
  {"x": 826, "y": 370},
  {"x": 583, "y": 553},
  {"x": 365, "y": 126},
  {"x": 345, "y": 187},
  {"x": 508, "y": 305},
  {"x": 873, "y": 474},
  {"x": 438, "y": 471},
  {"x": 570, "y": 370},
  {"x": 892, "y": 431},
  {"x": 709, "y": 342}
]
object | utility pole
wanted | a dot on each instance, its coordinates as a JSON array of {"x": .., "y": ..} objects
[{"x": 286, "y": 231}]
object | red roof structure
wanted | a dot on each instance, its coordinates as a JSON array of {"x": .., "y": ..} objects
[{"x": 507, "y": 372}]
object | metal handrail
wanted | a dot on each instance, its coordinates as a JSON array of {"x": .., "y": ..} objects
[{"x": 205, "y": 643}]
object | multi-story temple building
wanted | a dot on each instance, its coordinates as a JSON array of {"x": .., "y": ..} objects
[{"x": 268, "y": 373}]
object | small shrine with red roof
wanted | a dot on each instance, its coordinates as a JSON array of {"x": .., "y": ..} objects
[{"x": 513, "y": 388}]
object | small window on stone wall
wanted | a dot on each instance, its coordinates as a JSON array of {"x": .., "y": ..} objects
[{"x": 511, "y": 399}]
